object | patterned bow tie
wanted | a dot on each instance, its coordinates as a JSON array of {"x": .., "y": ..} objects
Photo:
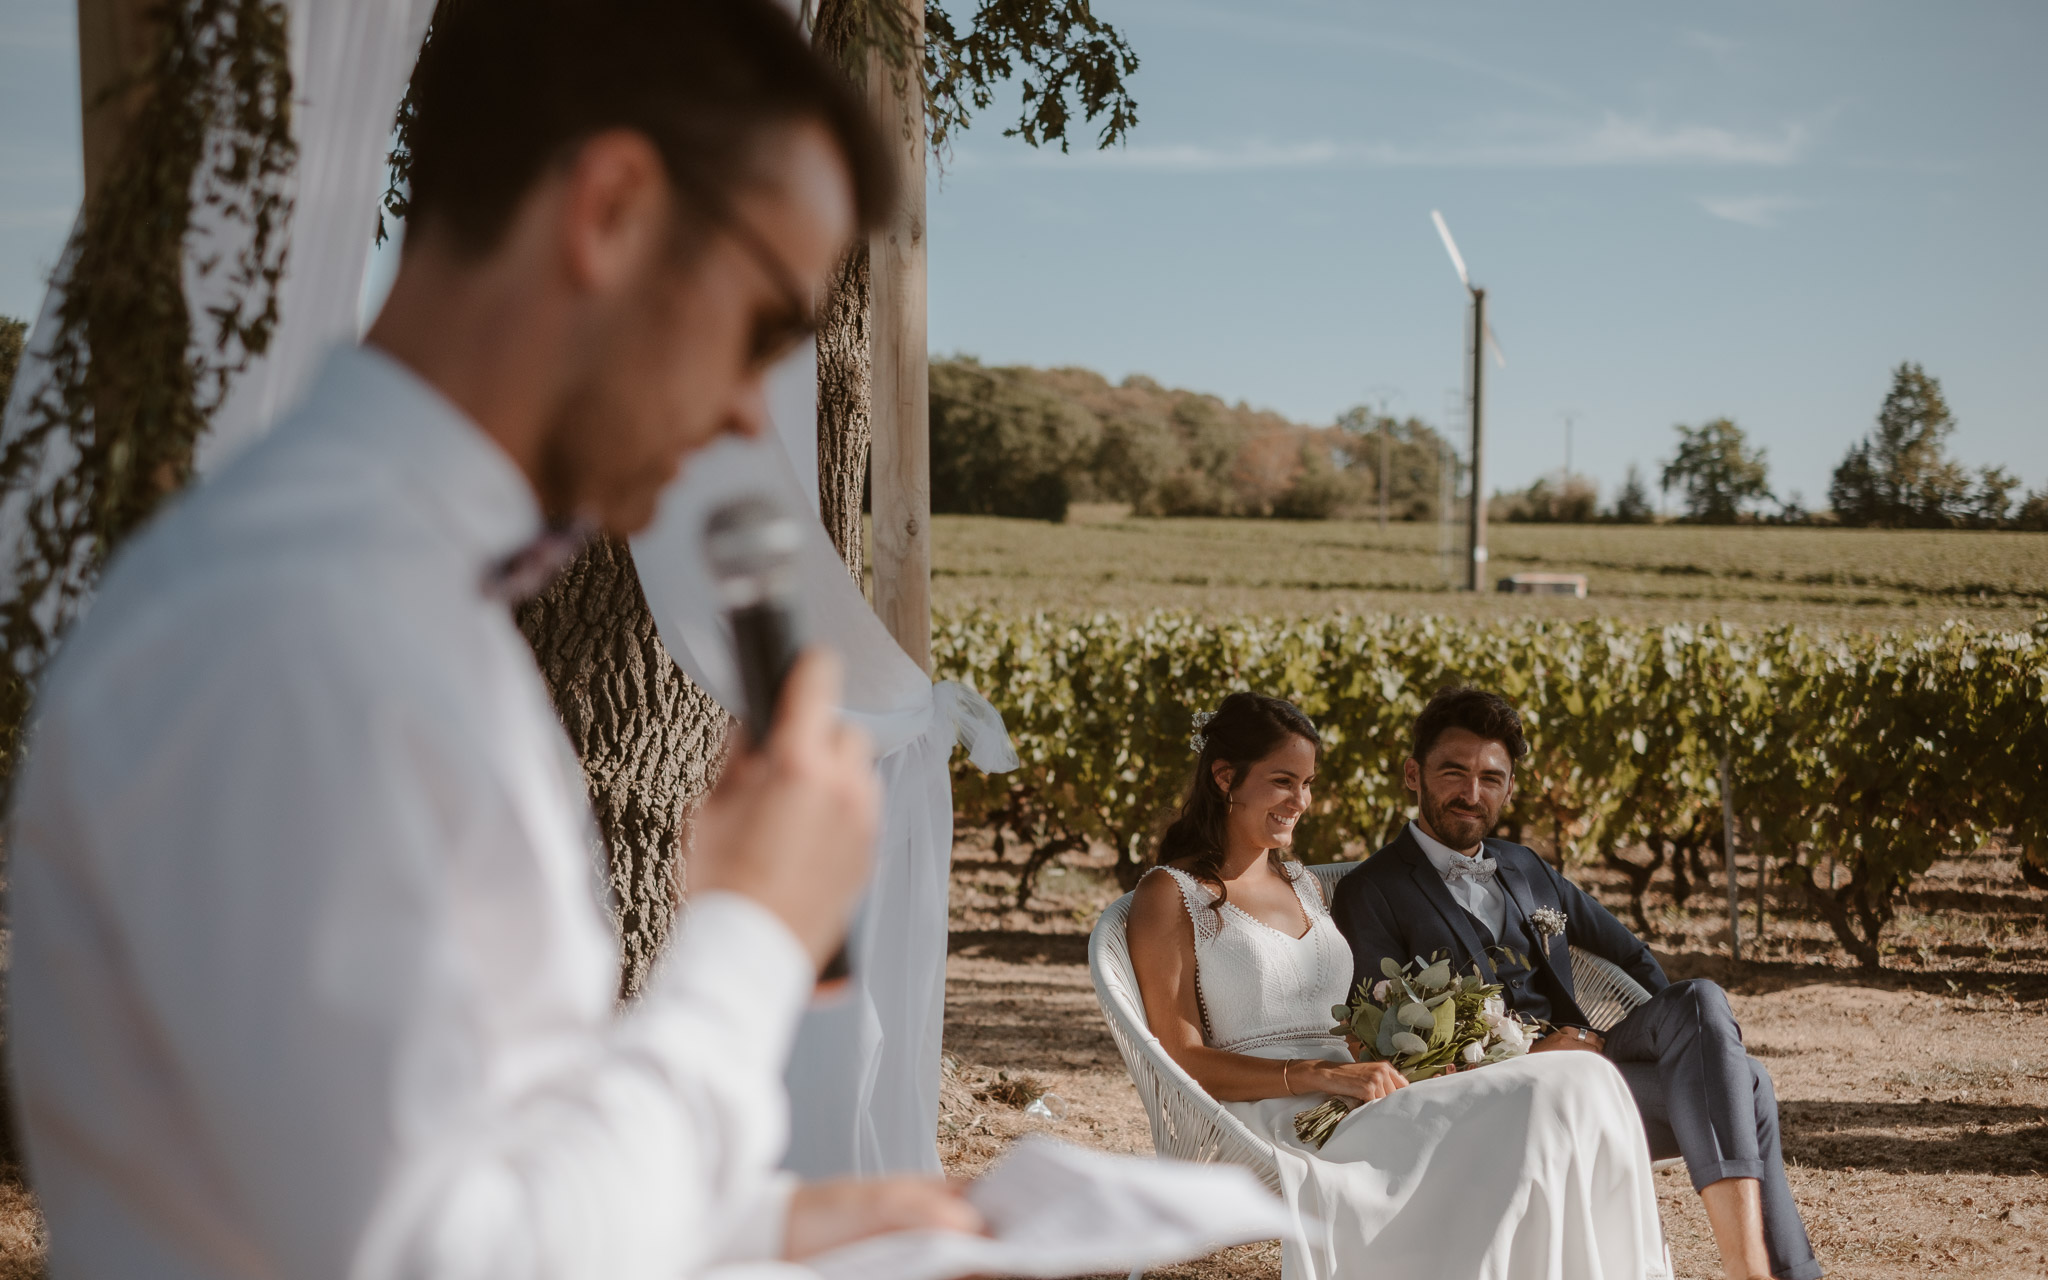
[
  {"x": 527, "y": 571},
  {"x": 1462, "y": 868}
]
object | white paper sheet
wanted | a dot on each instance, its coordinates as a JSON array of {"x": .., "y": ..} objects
[{"x": 1054, "y": 1209}]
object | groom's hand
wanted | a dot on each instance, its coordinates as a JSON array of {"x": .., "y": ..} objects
[{"x": 1570, "y": 1038}]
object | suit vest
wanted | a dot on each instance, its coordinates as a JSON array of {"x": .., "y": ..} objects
[{"x": 1518, "y": 979}]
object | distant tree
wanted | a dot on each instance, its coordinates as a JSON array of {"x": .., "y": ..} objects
[
  {"x": 1632, "y": 505},
  {"x": 2033, "y": 513},
  {"x": 1138, "y": 452},
  {"x": 1550, "y": 500},
  {"x": 1716, "y": 472},
  {"x": 1900, "y": 476},
  {"x": 1003, "y": 445},
  {"x": 1415, "y": 461},
  {"x": 1320, "y": 489},
  {"x": 1991, "y": 499},
  {"x": 13, "y": 336}
]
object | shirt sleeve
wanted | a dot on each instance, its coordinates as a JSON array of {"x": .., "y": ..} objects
[
  {"x": 357, "y": 905},
  {"x": 1592, "y": 926}
]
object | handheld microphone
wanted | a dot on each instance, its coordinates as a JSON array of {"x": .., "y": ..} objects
[{"x": 751, "y": 544}]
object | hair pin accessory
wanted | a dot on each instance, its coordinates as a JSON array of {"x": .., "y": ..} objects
[{"x": 1200, "y": 738}]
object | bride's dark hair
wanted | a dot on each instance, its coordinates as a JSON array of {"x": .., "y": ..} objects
[{"x": 1246, "y": 729}]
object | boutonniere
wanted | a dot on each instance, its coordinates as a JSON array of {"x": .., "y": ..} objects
[{"x": 1549, "y": 922}]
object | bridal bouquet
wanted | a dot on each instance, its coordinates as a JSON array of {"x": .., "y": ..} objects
[{"x": 1425, "y": 1021}]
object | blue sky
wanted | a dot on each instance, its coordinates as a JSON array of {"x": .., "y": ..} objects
[{"x": 1749, "y": 209}]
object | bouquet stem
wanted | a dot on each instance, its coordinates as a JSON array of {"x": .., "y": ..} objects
[{"x": 1315, "y": 1125}]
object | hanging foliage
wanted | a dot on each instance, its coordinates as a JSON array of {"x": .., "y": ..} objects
[{"x": 132, "y": 380}]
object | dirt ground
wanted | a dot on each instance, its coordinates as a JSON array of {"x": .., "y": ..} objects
[{"x": 1914, "y": 1102}]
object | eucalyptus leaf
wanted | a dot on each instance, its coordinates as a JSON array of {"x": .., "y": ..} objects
[
  {"x": 1389, "y": 968},
  {"x": 1409, "y": 1042},
  {"x": 1446, "y": 1023}
]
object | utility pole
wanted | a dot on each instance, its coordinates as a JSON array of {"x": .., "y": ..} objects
[
  {"x": 1475, "y": 520},
  {"x": 1386, "y": 396},
  {"x": 900, "y": 388},
  {"x": 1568, "y": 446}
]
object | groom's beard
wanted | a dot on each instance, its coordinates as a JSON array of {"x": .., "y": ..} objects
[{"x": 1457, "y": 824}]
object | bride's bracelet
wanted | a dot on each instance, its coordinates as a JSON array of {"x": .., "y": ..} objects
[{"x": 1285, "y": 1083}]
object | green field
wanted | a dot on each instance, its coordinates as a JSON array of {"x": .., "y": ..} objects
[{"x": 1103, "y": 558}]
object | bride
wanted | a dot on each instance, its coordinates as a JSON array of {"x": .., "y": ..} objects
[{"x": 1531, "y": 1169}]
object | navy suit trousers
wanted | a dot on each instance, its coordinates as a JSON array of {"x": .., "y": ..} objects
[{"x": 1703, "y": 1097}]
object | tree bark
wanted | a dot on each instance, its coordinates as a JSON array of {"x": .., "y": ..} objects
[
  {"x": 845, "y": 353},
  {"x": 650, "y": 740},
  {"x": 844, "y": 431}
]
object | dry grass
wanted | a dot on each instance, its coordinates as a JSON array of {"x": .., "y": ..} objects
[
  {"x": 1102, "y": 558},
  {"x": 1915, "y": 1102}
]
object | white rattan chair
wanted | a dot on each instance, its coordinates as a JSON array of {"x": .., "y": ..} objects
[{"x": 1187, "y": 1124}]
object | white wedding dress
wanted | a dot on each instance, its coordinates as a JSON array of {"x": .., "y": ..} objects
[{"x": 1531, "y": 1169}]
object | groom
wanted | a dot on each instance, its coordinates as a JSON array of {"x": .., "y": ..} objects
[{"x": 1443, "y": 887}]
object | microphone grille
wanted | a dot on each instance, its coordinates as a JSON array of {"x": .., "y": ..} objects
[{"x": 750, "y": 538}]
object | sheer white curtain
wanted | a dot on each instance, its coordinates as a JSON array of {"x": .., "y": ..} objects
[{"x": 865, "y": 1074}]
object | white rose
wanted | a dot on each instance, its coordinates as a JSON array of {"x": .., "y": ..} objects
[
  {"x": 1494, "y": 1008},
  {"x": 1510, "y": 1032},
  {"x": 1474, "y": 1053},
  {"x": 1379, "y": 991}
]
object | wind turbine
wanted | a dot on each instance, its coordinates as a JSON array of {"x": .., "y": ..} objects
[{"x": 1482, "y": 341}]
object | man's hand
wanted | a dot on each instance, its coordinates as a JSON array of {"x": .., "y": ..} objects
[
  {"x": 826, "y": 1215},
  {"x": 792, "y": 823},
  {"x": 1570, "y": 1038}
]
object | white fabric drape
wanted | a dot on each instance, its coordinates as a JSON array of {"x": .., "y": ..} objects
[{"x": 866, "y": 1070}]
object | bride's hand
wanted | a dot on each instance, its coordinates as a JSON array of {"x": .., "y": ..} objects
[{"x": 1365, "y": 1081}]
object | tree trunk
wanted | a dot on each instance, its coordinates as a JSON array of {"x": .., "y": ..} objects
[
  {"x": 649, "y": 738},
  {"x": 845, "y": 351},
  {"x": 844, "y": 432}
]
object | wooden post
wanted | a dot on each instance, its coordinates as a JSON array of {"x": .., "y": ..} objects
[
  {"x": 1728, "y": 856},
  {"x": 901, "y": 393},
  {"x": 114, "y": 42}
]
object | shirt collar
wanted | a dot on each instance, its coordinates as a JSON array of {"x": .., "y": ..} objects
[
  {"x": 461, "y": 477},
  {"x": 1440, "y": 855}
]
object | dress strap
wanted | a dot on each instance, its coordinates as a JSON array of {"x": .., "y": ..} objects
[
  {"x": 1201, "y": 904},
  {"x": 1306, "y": 889}
]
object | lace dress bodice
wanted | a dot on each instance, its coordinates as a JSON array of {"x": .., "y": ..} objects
[{"x": 1263, "y": 992}]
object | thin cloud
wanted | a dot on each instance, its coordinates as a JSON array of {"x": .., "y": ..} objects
[
  {"x": 1751, "y": 211},
  {"x": 1521, "y": 142}
]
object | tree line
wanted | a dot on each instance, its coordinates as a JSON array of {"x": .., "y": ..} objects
[
  {"x": 1018, "y": 441},
  {"x": 1021, "y": 441},
  {"x": 1900, "y": 476}
]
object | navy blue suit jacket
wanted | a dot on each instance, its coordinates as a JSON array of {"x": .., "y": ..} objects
[{"x": 1395, "y": 904}]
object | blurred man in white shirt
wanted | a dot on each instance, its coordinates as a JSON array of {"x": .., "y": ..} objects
[{"x": 311, "y": 973}]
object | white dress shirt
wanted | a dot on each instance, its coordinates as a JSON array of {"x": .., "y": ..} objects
[
  {"x": 1482, "y": 896},
  {"x": 311, "y": 972}
]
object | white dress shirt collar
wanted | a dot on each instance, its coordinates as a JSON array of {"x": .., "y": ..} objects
[
  {"x": 463, "y": 477},
  {"x": 1483, "y": 898},
  {"x": 1440, "y": 855}
]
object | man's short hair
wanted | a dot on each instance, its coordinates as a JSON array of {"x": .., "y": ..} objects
[
  {"x": 506, "y": 88},
  {"x": 1479, "y": 711}
]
